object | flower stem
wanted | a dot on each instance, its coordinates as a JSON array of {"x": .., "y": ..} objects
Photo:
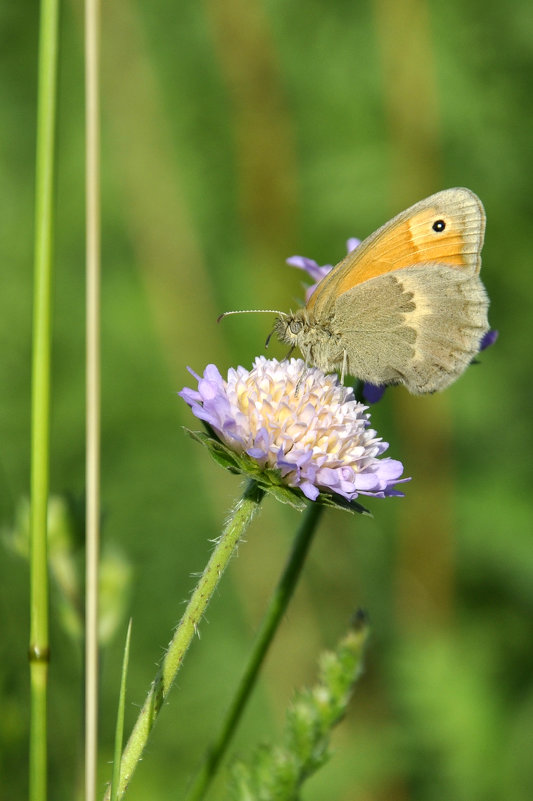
[
  {"x": 40, "y": 411},
  {"x": 276, "y": 609},
  {"x": 237, "y": 524}
]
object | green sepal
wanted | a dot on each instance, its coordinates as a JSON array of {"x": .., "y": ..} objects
[
  {"x": 286, "y": 495},
  {"x": 338, "y": 502}
]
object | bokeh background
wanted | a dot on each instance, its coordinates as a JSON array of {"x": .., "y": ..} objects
[{"x": 236, "y": 134}]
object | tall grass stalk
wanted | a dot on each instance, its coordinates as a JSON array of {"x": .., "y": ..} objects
[
  {"x": 40, "y": 400},
  {"x": 92, "y": 520}
]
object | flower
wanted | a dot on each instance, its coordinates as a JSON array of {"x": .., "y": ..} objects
[{"x": 303, "y": 425}]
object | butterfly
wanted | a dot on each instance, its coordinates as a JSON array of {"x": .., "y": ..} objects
[{"x": 407, "y": 306}]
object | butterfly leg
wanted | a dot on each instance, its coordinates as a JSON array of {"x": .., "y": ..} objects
[
  {"x": 344, "y": 365},
  {"x": 300, "y": 381}
]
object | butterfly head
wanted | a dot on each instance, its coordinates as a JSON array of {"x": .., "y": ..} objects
[{"x": 289, "y": 327}]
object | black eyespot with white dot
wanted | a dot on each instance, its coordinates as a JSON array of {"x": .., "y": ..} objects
[{"x": 439, "y": 226}]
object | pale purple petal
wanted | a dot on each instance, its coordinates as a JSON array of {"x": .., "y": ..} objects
[
  {"x": 257, "y": 453},
  {"x": 310, "y": 266},
  {"x": 309, "y": 490},
  {"x": 212, "y": 373},
  {"x": 367, "y": 481},
  {"x": 190, "y": 396},
  {"x": 352, "y": 243},
  {"x": 390, "y": 469}
]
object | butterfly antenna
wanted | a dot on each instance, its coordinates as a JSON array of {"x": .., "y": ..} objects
[{"x": 249, "y": 311}]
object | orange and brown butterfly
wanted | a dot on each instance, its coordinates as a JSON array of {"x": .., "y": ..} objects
[{"x": 406, "y": 306}]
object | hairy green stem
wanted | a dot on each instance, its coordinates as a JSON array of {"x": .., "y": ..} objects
[
  {"x": 40, "y": 402},
  {"x": 276, "y": 609},
  {"x": 237, "y": 524}
]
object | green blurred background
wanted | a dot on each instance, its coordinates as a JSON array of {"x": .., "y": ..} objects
[{"x": 236, "y": 134}]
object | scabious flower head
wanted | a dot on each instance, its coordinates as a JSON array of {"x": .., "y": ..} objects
[{"x": 297, "y": 425}]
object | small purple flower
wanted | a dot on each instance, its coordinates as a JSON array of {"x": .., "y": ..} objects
[{"x": 300, "y": 422}]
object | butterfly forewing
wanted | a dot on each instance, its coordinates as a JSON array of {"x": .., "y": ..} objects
[{"x": 446, "y": 229}]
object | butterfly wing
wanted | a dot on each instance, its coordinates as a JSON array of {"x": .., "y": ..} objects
[
  {"x": 444, "y": 229},
  {"x": 420, "y": 326}
]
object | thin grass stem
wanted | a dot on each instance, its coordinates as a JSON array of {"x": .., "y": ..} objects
[
  {"x": 40, "y": 401},
  {"x": 92, "y": 168}
]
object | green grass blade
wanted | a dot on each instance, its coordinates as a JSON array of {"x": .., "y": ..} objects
[
  {"x": 40, "y": 412},
  {"x": 119, "y": 731}
]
